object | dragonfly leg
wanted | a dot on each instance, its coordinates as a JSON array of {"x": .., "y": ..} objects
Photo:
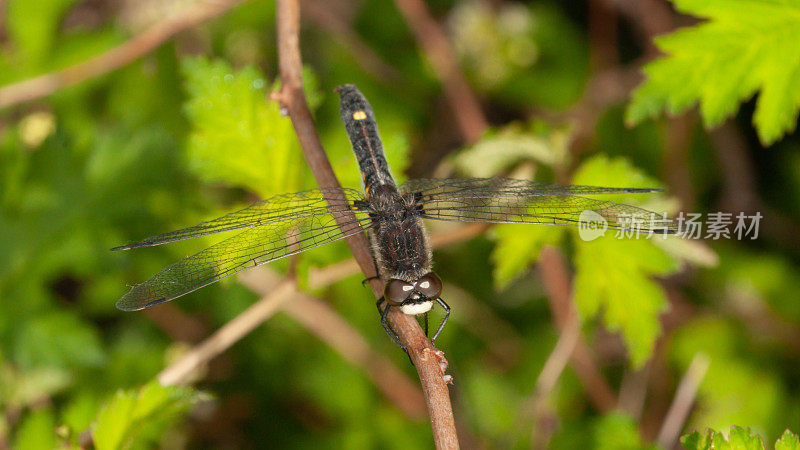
[
  {"x": 444, "y": 321},
  {"x": 385, "y": 322},
  {"x": 367, "y": 280},
  {"x": 425, "y": 321}
]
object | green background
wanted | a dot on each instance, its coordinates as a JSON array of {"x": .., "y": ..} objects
[{"x": 185, "y": 134}]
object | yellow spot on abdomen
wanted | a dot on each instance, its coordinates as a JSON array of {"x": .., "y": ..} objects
[{"x": 359, "y": 115}]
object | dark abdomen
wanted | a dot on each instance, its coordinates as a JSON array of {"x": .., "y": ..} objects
[{"x": 359, "y": 120}]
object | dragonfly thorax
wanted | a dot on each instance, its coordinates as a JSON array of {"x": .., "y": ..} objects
[{"x": 399, "y": 240}]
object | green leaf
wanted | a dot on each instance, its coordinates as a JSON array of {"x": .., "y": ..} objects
[
  {"x": 745, "y": 439},
  {"x": 615, "y": 275},
  {"x": 238, "y": 136},
  {"x": 37, "y": 431},
  {"x": 517, "y": 249},
  {"x": 739, "y": 439},
  {"x": 128, "y": 412},
  {"x": 23, "y": 388},
  {"x": 502, "y": 148},
  {"x": 735, "y": 389},
  {"x": 788, "y": 441},
  {"x": 746, "y": 46},
  {"x": 694, "y": 440},
  {"x": 33, "y": 27},
  {"x": 58, "y": 339},
  {"x": 618, "y": 431}
]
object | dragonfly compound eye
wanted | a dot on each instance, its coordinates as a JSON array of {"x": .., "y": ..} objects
[
  {"x": 430, "y": 286},
  {"x": 397, "y": 291}
]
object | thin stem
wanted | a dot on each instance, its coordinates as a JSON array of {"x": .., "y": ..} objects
[
  {"x": 434, "y": 43},
  {"x": 684, "y": 398},
  {"x": 331, "y": 21},
  {"x": 557, "y": 284},
  {"x": 127, "y": 52},
  {"x": 273, "y": 299},
  {"x": 180, "y": 371},
  {"x": 428, "y": 361},
  {"x": 551, "y": 372}
]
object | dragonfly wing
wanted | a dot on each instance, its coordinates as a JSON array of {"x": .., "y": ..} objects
[
  {"x": 502, "y": 200},
  {"x": 250, "y": 248},
  {"x": 441, "y": 188},
  {"x": 281, "y": 208}
]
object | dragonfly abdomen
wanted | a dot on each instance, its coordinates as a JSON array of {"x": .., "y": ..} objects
[{"x": 359, "y": 121}]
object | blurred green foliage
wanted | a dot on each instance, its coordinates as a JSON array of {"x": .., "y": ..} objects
[{"x": 175, "y": 138}]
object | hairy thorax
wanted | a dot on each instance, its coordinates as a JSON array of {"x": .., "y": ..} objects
[{"x": 399, "y": 240}]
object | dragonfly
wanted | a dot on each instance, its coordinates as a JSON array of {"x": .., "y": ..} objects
[{"x": 391, "y": 215}]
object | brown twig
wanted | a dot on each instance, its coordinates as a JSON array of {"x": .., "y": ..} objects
[
  {"x": 130, "y": 50},
  {"x": 180, "y": 371},
  {"x": 556, "y": 282},
  {"x": 684, "y": 398},
  {"x": 426, "y": 358},
  {"x": 633, "y": 391},
  {"x": 327, "y": 18},
  {"x": 551, "y": 372},
  {"x": 176, "y": 323},
  {"x": 431, "y": 38},
  {"x": 604, "y": 88},
  {"x": 603, "y": 39},
  {"x": 273, "y": 299},
  {"x": 651, "y": 17},
  {"x": 281, "y": 294}
]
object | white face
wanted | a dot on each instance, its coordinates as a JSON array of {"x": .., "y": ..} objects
[{"x": 417, "y": 308}]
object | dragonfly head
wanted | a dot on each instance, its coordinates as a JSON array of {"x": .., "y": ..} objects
[{"x": 414, "y": 297}]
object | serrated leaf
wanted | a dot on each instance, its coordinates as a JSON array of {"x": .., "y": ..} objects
[
  {"x": 237, "y": 135},
  {"x": 128, "y": 411},
  {"x": 739, "y": 439},
  {"x": 743, "y": 438},
  {"x": 788, "y": 441},
  {"x": 614, "y": 275},
  {"x": 744, "y": 47}
]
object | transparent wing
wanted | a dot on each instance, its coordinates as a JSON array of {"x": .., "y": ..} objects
[
  {"x": 249, "y": 248},
  {"x": 503, "y": 200},
  {"x": 281, "y": 208},
  {"x": 440, "y": 188}
]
